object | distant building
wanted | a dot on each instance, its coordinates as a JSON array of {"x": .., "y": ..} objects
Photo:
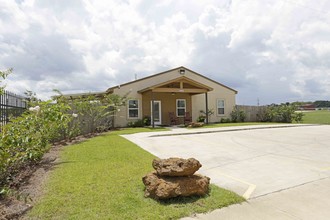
[{"x": 307, "y": 107}]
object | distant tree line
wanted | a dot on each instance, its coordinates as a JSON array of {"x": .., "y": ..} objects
[
  {"x": 317, "y": 104},
  {"x": 322, "y": 104}
]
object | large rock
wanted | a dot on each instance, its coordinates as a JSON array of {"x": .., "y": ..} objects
[
  {"x": 163, "y": 187},
  {"x": 176, "y": 166}
]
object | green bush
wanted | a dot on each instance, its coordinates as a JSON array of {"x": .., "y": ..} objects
[
  {"x": 264, "y": 115},
  {"x": 298, "y": 117},
  {"x": 28, "y": 137},
  {"x": 93, "y": 114},
  {"x": 237, "y": 115},
  {"x": 136, "y": 124},
  {"x": 225, "y": 120},
  {"x": 201, "y": 118},
  {"x": 147, "y": 120},
  {"x": 285, "y": 113},
  {"x": 203, "y": 114}
]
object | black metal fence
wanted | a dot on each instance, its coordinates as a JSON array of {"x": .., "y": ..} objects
[{"x": 11, "y": 105}]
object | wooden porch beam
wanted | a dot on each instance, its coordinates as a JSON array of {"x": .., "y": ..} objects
[{"x": 177, "y": 90}]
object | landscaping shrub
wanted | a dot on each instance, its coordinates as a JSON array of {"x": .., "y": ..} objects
[
  {"x": 264, "y": 115},
  {"x": 285, "y": 113},
  {"x": 136, "y": 124},
  {"x": 201, "y": 118},
  {"x": 93, "y": 114},
  {"x": 225, "y": 120},
  {"x": 147, "y": 120},
  {"x": 28, "y": 137},
  {"x": 237, "y": 115},
  {"x": 203, "y": 114},
  {"x": 298, "y": 116}
]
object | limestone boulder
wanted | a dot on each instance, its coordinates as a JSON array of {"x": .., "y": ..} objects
[
  {"x": 165, "y": 187},
  {"x": 176, "y": 166}
]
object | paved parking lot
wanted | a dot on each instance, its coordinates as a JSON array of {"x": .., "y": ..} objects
[{"x": 253, "y": 162}]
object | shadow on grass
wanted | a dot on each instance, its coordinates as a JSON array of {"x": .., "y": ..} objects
[
  {"x": 51, "y": 164},
  {"x": 181, "y": 200}
]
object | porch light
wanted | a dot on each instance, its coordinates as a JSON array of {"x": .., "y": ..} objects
[{"x": 182, "y": 71}]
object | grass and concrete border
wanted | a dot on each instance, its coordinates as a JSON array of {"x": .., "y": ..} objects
[{"x": 101, "y": 179}]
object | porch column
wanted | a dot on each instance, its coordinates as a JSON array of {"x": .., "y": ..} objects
[
  {"x": 152, "y": 110},
  {"x": 206, "y": 108}
]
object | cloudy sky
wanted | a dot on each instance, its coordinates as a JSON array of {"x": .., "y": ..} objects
[{"x": 268, "y": 50}]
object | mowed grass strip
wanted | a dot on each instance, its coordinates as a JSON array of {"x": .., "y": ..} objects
[
  {"x": 101, "y": 179},
  {"x": 317, "y": 117}
]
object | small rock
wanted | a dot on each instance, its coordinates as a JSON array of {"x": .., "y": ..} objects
[{"x": 176, "y": 166}]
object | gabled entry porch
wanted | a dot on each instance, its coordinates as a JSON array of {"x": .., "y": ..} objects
[{"x": 172, "y": 97}]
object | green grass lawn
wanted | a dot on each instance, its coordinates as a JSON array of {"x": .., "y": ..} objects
[
  {"x": 317, "y": 117},
  {"x": 102, "y": 179}
]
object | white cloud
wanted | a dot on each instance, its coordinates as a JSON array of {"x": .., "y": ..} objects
[{"x": 256, "y": 47}]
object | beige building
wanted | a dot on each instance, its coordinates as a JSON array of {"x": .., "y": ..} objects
[{"x": 172, "y": 97}]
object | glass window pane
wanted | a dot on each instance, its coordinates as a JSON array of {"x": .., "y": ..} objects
[
  {"x": 221, "y": 103},
  {"x": 221, "y": 107},
  {"x": 181, "y": 112},
  {"x": 133, "y": 104},
  {"x": 181, "y": 103},
  {"x": 133, "y": 108},
  {"x": 133, "y": 113}
]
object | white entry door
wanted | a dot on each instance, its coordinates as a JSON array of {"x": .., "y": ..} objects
[{"x": 157, "y": 112}]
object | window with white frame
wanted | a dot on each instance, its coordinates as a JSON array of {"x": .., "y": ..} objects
[
  {"x": 180, "y": 107},
  {"x": 133, "y": 108},
  {"x": 220, "y": 107}
]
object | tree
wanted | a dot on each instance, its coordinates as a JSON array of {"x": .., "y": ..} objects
[
  {"x": 3, "y": 76},
  {"x": 322, "y": 104},
  {"x": 31, "y": 98}
]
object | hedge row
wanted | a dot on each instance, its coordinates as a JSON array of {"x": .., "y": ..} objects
[{"x": 28, "y": 137}]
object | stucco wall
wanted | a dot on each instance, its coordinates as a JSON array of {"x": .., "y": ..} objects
[
  {"x": 168, "y": 103},
  {"x": 199, "y": 104},
  {"x": 197, "y": 101}
]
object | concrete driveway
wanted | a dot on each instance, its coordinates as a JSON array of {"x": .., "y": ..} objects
[{"x": 255, "y": 161}]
